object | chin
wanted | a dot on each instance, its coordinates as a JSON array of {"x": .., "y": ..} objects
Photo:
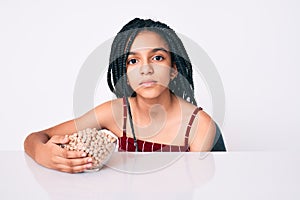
[
  {"x": 148, "y": 96},
  {"x": 151, "y": 93}
]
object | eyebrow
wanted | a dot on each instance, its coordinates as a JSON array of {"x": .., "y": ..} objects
[{"x": 152, "y": 51}]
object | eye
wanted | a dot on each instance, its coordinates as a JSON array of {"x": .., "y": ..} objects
[
  {"x": 158, "y": 58},
  {"x": 132, "y": 61}
]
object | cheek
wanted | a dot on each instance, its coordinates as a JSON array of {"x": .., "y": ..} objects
[
  {"x": 133, "y": 77},
  {"x": 164, "y": 75}
]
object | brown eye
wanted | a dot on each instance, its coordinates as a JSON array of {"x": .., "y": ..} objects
[
  {"x": 132, "y": 61},
  {"x": 158, "y": 58}
]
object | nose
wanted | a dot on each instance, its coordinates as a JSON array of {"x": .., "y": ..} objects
[{"x": 146, "y": 69}]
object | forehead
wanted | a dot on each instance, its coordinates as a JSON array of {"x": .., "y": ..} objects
[{"x": 148, "y": 39}]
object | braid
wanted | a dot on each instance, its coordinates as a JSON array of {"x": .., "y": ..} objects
[{"x": 182, "y": 85}]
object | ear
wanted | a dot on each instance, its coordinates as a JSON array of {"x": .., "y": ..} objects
[{"x": 173, "y": 71}]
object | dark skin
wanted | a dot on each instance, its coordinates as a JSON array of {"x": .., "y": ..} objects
[{"x": 149, "y": 71}]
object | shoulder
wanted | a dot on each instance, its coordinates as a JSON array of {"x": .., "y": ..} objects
[
  {"x": 109, "y": 112},
  {"x": 109, "y": 106},
  {"x": 204, "y": 134},
  {"x": 187, "y": 108},
  {"x": 204, "y": 119}
]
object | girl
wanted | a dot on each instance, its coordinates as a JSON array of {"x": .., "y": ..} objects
[{"x": 151, "y": 75}]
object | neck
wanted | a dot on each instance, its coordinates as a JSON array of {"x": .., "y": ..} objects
[
  {"x": 146, "y": 105},
  {"x": 150, "y": 115}
]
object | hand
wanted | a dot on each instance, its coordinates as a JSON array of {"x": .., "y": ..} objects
[{"x": 51, "y": 155}]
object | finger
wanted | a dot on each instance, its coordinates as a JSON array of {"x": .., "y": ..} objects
[
  {"x": 59, "y": 139},
  {"x": 74, "y": 162},
  {"x": 74, "y": 165},
  {"x": 71, "y": 154},
  {"x": 74, "y": 169}
]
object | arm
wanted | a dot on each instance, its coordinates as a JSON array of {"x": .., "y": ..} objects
[
  {"x": 204, "y": 135},
  {"x": 43, "y": 146}
]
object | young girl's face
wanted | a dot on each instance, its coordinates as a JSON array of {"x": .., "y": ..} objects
[{"x": 149, "y": 65}]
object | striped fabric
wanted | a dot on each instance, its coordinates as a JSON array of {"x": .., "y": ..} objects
[{"x": 127, "y": 144}]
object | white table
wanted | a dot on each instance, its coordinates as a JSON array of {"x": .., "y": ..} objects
[{"x": 233, "y": 175}]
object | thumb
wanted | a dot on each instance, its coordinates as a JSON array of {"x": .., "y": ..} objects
[{"x": 59, "y": 139}]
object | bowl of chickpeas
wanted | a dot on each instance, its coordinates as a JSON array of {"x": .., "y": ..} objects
[{"x": 98, "y": 144}]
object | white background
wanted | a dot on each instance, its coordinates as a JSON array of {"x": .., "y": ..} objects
[{"x": 253, "y": 44}]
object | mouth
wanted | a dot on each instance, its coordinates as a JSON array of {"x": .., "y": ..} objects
[{"x": 148, "y": 83}]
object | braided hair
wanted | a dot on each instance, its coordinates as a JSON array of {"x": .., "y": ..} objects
[{"x": 182, "y": 85}]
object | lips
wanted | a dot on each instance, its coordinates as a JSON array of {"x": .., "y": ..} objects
[{"x": 148, "y": 83}]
